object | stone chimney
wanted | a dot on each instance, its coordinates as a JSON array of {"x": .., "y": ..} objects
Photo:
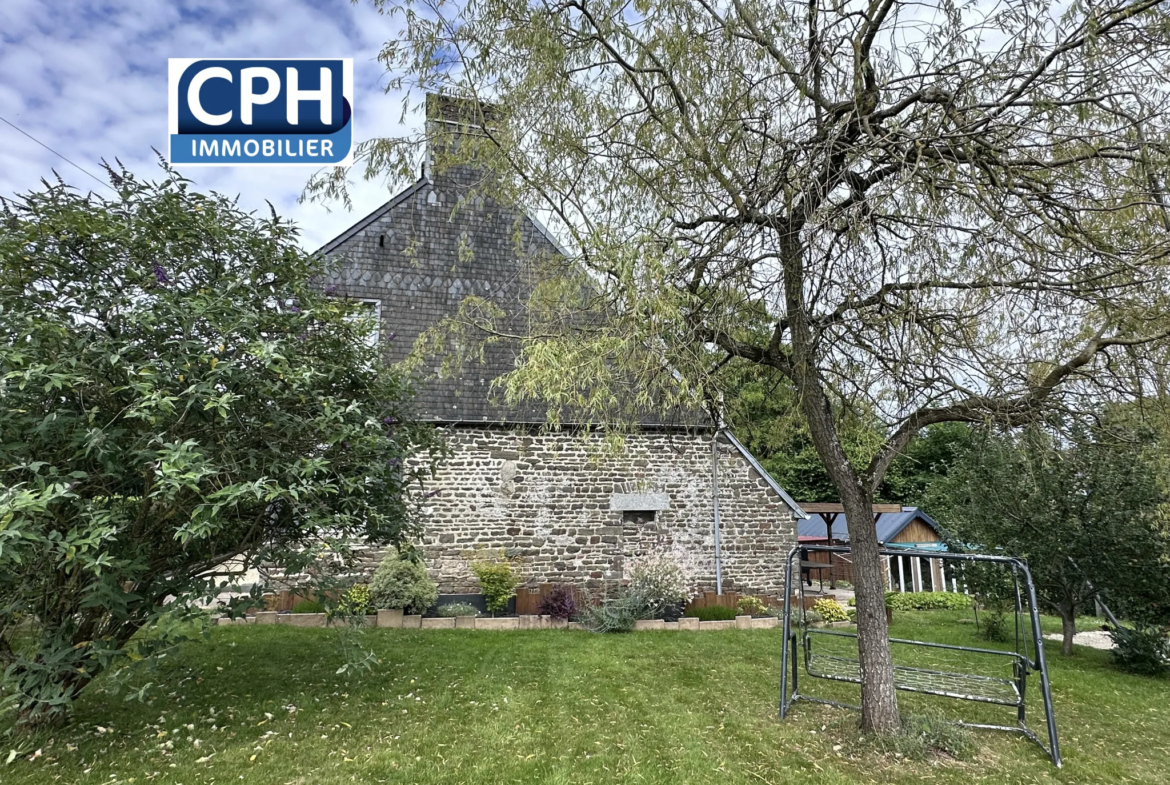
[{"x": 453, "y": 122}]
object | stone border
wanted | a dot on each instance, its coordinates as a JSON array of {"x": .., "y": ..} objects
[{"x": 396, "y": 620}]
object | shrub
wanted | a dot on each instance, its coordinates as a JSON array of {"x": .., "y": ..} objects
[
  {"x": 660, "y": 580},
  {"x": 800, "y": 618},
  {"x": 176, "y": 386},
  {"x": 830, "y": 610},
  {"x": 457, "y": 609},
  {"x": 751, "y": 606},
  {"x": 308, "y": 606},
  {"x": 927, "y": 601},
  {"x": 559, "y": 603},
  {"x": 617, "y": 614},
  {"x": 1143, "y": 651},
  {"x": 994, "y": 624},
  {"x": 355, "y": 601},
  {"x": 498, "y": 581},
  {"x": 712, "y": 613},
  {"x": 402, "y": 583}
]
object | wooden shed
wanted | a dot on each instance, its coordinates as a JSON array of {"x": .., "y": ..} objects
[{"x": 897, "y": 527}]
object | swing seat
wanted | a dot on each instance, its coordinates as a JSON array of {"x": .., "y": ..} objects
[{"x": 965, "y": 686}]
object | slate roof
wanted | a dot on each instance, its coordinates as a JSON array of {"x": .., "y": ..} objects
[
  {"x": 420, "y": 257},
  {"x": 889, "y": 525}
]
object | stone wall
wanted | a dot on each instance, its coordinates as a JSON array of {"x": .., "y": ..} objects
[{"x": 545, "y": 498}]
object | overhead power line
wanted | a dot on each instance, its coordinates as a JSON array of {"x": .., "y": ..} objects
[{"x": 54, "y": 152}]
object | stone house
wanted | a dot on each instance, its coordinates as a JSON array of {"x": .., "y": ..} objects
[{"x": 568, "y": 511}]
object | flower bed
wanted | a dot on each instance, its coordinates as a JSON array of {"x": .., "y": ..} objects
[{"x": 397, "y": 620}]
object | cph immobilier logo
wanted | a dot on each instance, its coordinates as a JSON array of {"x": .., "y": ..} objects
[{"x": 261, "y": 112}]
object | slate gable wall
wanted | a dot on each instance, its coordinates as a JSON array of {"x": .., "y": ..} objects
[
  {"x": 421, "y": 257},
  {"x": 543, "y": 497}
]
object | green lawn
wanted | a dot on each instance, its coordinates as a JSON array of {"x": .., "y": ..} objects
[{"x": 553, "y": 707}]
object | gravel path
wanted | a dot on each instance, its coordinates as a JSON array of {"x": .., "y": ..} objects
[{"x": 1097, "y": 639}]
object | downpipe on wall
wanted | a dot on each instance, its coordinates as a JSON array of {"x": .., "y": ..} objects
[{"x": 715, "y": 507}]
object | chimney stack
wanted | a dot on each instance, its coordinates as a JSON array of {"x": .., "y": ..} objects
[{"x": 452, "y": 122}]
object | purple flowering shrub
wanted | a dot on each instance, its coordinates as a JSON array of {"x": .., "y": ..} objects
[{"x": 559, "y": 603}]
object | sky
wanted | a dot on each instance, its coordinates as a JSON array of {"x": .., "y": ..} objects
[{"x": 88, "y": 78}]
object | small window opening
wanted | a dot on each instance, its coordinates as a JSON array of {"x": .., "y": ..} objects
[
  {"x": 381, "y": 241},
  {"x": 638, "y": 517}
]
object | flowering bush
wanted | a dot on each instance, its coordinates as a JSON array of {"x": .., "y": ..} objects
[
  {"x": 830, "y": 610},
  {"x": 559, "y": 603},
  {"x": 665, "y": 577}
]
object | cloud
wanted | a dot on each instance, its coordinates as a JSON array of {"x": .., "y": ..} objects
[{"x": 90, "y": 81}]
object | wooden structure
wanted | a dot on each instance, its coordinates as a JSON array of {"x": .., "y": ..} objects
[{"x": 897, "y": 527}]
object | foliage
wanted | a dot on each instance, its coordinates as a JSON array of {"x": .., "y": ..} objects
[
  {"x": 180, "y": 402},
  {"x": 993, "y": 624},
  {"x": 763, "y": 411},
  {"x": 749, "y": 605},
  {"x": 456, "y": 609},
  {"x": 665, "y": 579},
  {"x": 618, "y": 613},
  {"x": 1145, "y": 651},
  {"x": 308, "y": 606},
  {"x": 1078, "y": 501},
  {"x": 921, "y": 737},
  {"x": 712, "y": 613},
  {"x": 830, "y": 610},
  {"x": 498, "y": 581},
  {"x": 402, "y": 582},
  {"x": 805, "y": 618},
  {"x": 559, "y": 603},
  {"x": 356, "y": 601},
  {"x": 897, "y": 218},
  {"x": 927, "y": 601}
]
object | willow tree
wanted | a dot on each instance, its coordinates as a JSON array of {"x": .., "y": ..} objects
[{"x": 944, "y": 213}]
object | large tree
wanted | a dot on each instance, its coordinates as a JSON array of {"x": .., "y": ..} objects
[
  {"x": 946, "y": 211},
  {"x": 1081, "y": 503},
  {"x": 761, "y": 407},
  {"x": 178, "y": 402}
]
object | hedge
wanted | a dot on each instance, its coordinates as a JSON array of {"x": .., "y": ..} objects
[{"x": 927, "y": 601}]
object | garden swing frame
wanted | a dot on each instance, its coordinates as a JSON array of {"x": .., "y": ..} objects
[{"x": 973, "y": 687}]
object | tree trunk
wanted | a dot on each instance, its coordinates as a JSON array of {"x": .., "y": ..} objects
[
  {"x": 1068, "y": 628},
  {"x": 879, "y": 701}
]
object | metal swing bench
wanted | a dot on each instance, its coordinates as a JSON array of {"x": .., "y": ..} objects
[{"x": 1002, "y": 691}]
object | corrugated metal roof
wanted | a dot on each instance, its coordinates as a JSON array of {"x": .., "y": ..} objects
[{"x": 889, "y": 525}]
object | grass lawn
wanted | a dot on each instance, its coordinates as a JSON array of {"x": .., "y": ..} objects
[{"x": 264, "y": 705}]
